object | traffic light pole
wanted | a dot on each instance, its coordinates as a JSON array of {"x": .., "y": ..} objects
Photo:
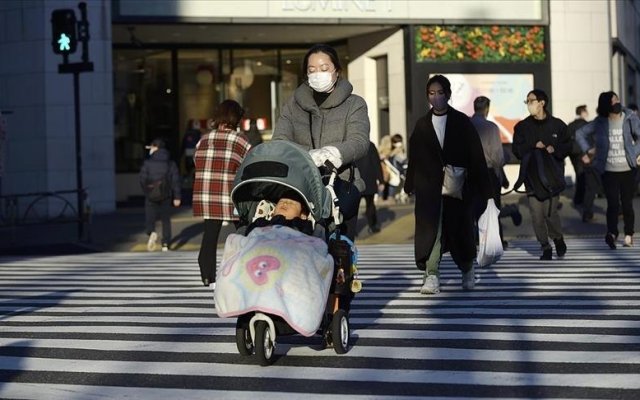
[
  {"x": 64, "y": 35},
  {"x": 76, "y": 106}
]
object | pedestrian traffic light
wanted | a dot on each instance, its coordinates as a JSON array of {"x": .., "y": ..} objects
[{"x": 63, "y": 24}]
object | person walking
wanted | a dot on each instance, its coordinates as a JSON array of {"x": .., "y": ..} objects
[
  {"x": 543, "y": 133},
  {"x": 327, "y": 119},
  {"x": 446, "y": 171},
  {"x": 371, "y": 172},
  {"x": 160, "y": 181},
  {"x": 493, "y": 152},
  {"x": 218, "y": 156},
  {"x": 582, "y": 116},
  {"x": 616, "y": 147}
]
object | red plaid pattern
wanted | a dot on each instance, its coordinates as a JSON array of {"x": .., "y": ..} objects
[{"x": 218, "y": 156}]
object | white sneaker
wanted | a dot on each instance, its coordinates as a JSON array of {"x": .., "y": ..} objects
[
  {"x": 153, "y": 239},
  {"x": 469, "y": 279},
  {"x": 431, "y": 285},
  {"x": 628, "y": 241},
  {"x": 165, "y": 247}
]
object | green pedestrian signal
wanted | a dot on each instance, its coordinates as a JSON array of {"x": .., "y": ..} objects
[{"x": 64, "y": 39}]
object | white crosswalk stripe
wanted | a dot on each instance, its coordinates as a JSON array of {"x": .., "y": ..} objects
[{"x": 140, "y": 326}]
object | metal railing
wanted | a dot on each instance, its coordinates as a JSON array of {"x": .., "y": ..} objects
[{"x": 42, "y": 208}]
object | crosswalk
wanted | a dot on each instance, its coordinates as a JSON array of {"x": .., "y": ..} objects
[{"x": 140, "y": 326}]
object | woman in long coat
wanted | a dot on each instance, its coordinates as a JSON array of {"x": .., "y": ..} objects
[
  {"x": 444, "y": 136},
  {"x": 218, "y": 156}
]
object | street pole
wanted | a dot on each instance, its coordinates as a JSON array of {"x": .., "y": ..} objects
[{"x": 76, "y": 106}]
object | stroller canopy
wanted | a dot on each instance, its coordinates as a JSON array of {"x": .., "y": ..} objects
[{"x": 272, "y": 168}]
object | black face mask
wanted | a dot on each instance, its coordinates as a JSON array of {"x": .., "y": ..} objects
[{"x": 616, "y": 108}]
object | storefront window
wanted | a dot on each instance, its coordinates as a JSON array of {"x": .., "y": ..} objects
[
  {"x": 154, "y": 100},
  {"x": 143, "y": 101}
]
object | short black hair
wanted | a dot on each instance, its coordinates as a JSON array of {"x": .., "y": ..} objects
[
  {"x": 443, "y": 81},
  {"x": 633, "y": 106},
  {"x": 481, "y": 103},
  {"x": 581, "y": 108},
  {"x": 159, "y": 143}
]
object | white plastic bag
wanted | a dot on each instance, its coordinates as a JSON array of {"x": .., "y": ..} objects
[
  {"x": 394, "y": 174},
  {"x": 490, "y": 249}
]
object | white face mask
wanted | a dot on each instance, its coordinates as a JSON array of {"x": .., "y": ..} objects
[{"x": 321, "y": 81}]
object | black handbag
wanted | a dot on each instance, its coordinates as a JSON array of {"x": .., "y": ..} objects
[{"x": 347, "y": 193}]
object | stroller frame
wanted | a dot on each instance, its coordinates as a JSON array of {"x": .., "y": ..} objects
[{"x": 256, "y": 331}]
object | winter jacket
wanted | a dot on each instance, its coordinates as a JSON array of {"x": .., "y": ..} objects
[
  {"x": 597, "y": 132},
  {"x": 552, "y": 132},
  {"x": 341, "y": 121},
  {"x": 218, "y": 157},
  {"x": 155, "y": 168}
]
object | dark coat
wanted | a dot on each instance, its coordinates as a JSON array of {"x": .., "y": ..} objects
[
  {"x": 370, "y": 170},
  {"x": 156, "y": 167},
  {"x": 552, "y": 132},
  {"x": 462, "y": 147}
]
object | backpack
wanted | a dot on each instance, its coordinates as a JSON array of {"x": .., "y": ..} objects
[
  {"x": 161, "y": 189},
  {"x": 547, "y": 182}
]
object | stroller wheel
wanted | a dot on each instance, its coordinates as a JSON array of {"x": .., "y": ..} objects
[
  {"x": 264, "y": 343},
  {"x": 340, "y": 331},
  {"x": 243, "y": 337}
]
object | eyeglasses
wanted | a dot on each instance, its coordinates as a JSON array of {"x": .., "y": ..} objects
[{"x": 529, "y": 101}]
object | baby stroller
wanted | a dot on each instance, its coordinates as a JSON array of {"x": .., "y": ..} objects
[{"x": 252, "y": 284}]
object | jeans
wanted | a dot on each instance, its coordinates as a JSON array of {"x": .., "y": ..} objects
[{"x": 370, "y": 211}]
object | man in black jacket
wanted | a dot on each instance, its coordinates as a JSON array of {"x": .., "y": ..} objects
[
  {"x": 541, "y": 132},
  {"x": 160, "y": 182}
]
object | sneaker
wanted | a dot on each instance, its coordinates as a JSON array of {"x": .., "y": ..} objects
[
  {"x": 431, "y": 285},
  {"x": 153, "y": 239},
  {"x": 469, "y": 279},
  {"x": 561, "y": 247},
  {"x": 610, "y": 239},
  {"x": 628, "y": 241},
  {"x": 165, "y": 247},
  {"x": 546, "y": 253}
]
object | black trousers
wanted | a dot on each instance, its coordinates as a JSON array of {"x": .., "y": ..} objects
[
  {"x": 619, "y": 187},
  {"x": 592, "y": 186},
  {"x": 209, "y": 248},
  {"x": 162, "y": 211},
  {"x": 370, "y": 211}
]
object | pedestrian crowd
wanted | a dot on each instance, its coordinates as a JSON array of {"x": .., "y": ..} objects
[{"x": 453, "y": 170}]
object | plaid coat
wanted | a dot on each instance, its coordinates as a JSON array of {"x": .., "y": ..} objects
[{"x": 218, "y": 156}]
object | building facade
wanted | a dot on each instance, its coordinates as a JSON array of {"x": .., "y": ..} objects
[{"x": 161, "y": 67}]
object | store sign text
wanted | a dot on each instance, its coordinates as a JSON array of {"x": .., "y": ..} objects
[{"x": 336, "y": 5}]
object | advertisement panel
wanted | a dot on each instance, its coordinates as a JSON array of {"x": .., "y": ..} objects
[{"x": 506, "y": 92}]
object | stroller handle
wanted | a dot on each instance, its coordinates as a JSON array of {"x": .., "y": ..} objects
[{"x": 334, "y": 198}]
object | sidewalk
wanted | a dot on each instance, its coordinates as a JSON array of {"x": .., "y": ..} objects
[{"x": 123, "y": 230}]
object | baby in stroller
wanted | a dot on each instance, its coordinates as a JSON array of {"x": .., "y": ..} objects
[
  {"x": 288, "y": 211},
  {"x": 291, "y": 271}
]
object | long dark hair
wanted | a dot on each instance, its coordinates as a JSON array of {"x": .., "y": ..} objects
[
  {"x": 604, "y": 103},
  {"x": 321, "y": 48}
]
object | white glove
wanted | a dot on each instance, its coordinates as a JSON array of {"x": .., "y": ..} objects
[
  {"x": 332, "y": 154},
  {"x": 317, "y": 157}
]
